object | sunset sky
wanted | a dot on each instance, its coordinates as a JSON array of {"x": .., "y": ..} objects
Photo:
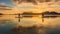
[
  {"x": 6, "y": 2},
  {"x": 29, "y": 6}
]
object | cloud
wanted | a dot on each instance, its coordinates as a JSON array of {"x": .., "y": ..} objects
[
  {"x": 2, "y": 3},
  {"x": 27, "y": 1},
  {"x": 3, "y": 6}
]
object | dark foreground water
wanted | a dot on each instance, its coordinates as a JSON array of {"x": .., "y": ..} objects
[{"x": 8, "y": 29}]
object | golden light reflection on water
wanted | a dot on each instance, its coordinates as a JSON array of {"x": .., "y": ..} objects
[
  {"x": 24, "y": 21},
  {"x": 32, "y": 21}
]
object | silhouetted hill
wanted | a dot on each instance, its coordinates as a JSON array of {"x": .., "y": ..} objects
[
  {"x": 1, "y": 14},
  {"x": 30, "y": 13},
  {"x": 51, "y": 13}
]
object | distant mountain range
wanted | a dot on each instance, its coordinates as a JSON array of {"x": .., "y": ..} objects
[
  {"x": 44, "y": 13},
  {"x": 51, "y": 13}
]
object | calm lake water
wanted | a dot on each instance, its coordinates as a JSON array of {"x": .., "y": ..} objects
[{"x": 49, "y": 26}]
